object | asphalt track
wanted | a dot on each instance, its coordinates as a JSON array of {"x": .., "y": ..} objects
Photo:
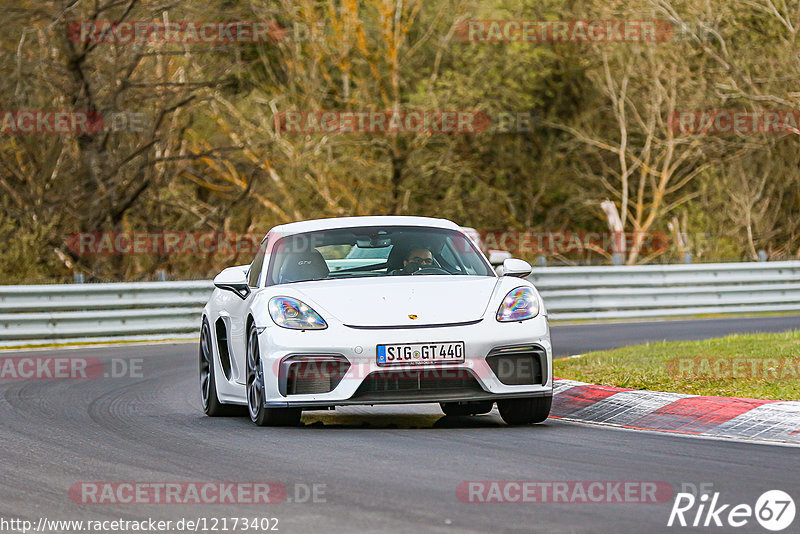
[{"x": 382, "y": 469}]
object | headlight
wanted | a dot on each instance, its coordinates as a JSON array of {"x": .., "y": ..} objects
[
  {"x": 297, "y": 315},
  {"x": 520, "y": 304}
]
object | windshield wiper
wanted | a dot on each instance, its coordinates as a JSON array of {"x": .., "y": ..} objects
[{"x": 363, "y": 268}]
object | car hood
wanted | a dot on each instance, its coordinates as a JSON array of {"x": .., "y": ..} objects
[{"x": 392, "y": 301}]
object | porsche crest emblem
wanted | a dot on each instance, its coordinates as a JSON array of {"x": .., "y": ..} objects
[{"x": 412, "y": 317}]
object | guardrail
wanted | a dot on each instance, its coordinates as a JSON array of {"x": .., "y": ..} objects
[
  {"x": 45, "y": 313},
  {"x": 81, "y": 311},
  {"x": 668, "y": 290}
]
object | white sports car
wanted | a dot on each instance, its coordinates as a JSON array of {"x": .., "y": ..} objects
[{"x": 374, "y": 310}]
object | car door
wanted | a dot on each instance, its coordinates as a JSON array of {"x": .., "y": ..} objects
[{"x": 237, "y": 320}]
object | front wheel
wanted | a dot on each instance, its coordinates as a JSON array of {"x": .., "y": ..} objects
[
  {"x": 259, "y": 414},
  {"x": 525, "y": 411}
]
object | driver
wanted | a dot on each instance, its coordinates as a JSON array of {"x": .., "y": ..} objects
[{"x": 417, "y": 258}]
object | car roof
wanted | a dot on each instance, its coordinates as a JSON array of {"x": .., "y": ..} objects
[{"x": 301, "y": 227}]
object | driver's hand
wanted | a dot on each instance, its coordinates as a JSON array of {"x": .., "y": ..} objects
[{"x": 412, "y": 267}]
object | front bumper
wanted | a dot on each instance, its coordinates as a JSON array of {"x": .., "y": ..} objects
[{"x": 359, "y": 348}]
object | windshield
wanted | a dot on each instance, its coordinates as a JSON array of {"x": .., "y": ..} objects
[{"x": 374, "y": 251}]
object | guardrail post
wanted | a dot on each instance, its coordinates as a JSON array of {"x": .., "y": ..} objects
[
  {"x": 762, "y": 255},
  {"x": 79, "y": 279}
]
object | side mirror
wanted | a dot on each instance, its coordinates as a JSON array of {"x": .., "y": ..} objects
[
  {"x": 515, "y": 267},
  {"x": 233, "y": 279}
]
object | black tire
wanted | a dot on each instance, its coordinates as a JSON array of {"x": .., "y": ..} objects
[
  {"x": 208, "y": 380},
  {"x": 466, "y": 408},
  {"x": 259, "y": 414},
  {"x": 525, "y": 411}
]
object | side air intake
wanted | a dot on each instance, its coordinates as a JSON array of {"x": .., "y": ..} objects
[
  {"x": 519, "y": 366},
  {"x": 311, "y": 374}
]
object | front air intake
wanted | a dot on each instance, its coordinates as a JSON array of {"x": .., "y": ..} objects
[{"x": 421, "y": 384}]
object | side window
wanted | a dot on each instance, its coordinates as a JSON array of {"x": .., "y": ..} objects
[{"x": 257, "y": 265}]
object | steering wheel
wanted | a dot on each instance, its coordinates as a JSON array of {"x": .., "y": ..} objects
[{"x": 430, "y": 270}]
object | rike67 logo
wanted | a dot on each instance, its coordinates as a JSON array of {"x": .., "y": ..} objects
[{"x": 774, "y": 510}]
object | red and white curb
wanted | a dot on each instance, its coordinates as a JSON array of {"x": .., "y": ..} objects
[{"x": 721, "y": 417}]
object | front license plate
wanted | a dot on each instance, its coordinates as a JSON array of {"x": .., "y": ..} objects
[{"x": 421, "y": 353}]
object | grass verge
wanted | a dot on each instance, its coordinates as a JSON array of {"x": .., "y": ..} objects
[{"x": 762, "y": 366}]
